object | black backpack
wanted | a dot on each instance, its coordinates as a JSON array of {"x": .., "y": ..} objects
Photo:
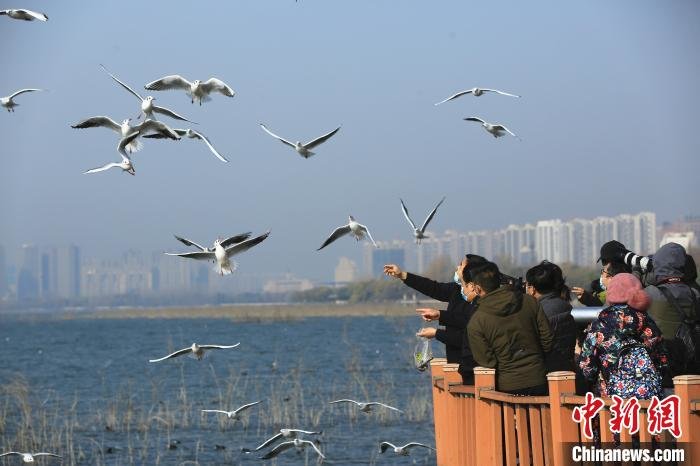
[{"x": 688, "y": 332}]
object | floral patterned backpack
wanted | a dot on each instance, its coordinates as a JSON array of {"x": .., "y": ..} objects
[{"x": 635, "y": 374}]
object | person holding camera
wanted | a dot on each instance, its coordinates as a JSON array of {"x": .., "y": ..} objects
[
  {"x": 612, "y": 257},
  {"x": 674, "y": 308}
]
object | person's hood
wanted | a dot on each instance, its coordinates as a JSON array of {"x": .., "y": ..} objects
[
  {"x": 501, "y": 302},
  {"x": 668, "y": 261}
]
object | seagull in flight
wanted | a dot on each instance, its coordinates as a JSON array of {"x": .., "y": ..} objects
[
  {"x": 225, "y": 243},
  {"x": 357, "y": 230},
  {"x": 303, "y": 149},
  {"x": 477, "y": 92},
  {"x": 10, "y": 104},
  {"x": 283, "y": 433},
  {"x": 199, "y": 90},
  {"x": 192, "y": 134},
  {"x": 419, "y": 233},
  {"x": 497, "y": 130},
  {"x": 125, "y": 129},
  {"x": 147, "y": 106},
  {"x": 26, "y": 15},
  {"x": 221, "y": 255},
  {"x": 235, "y": 414},
  {"x": 29, "y": 457},
  {"x": 366, "y": 407},
  {"x": 126, "y": 164},
  {"x": 195, "y": 351},
  {"x": 298, "y": 443},
  {"x": 403, "y": 451}
]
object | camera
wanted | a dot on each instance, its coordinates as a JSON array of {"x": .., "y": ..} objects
[
  {"x": 516, "y": 284},
  {"x": 636, "y": 262}
]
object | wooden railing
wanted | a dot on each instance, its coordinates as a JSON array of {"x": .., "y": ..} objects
[{"x": 479, "y": 426}]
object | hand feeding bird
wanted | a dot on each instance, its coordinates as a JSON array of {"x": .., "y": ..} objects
[
  {"x": 477, "y": 92},
  {"x": 235, "y": 414},
  {"x": 195, "y": 351},
  {"x": 125, "y": 129},
  {"x": 419, "y": 233},
  {"x": 366, "y": 407},
  {"x": 495, "y": 129},
  {"x": 303, "y": 149},
  {"x": 24, "y": 15},
  {"x": 8, "y": 102},
  {"x": 199, "y": 90},
  {"x": 225, "y": 243},
  {"x": 357, "y": 230},
  {"x": 126, "y": 164},
  {"x": 192, "y": 134}
]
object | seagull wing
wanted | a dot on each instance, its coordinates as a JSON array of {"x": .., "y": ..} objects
[
  {"x": 416, "y": 444},
  {"x": 345, "y": 400},
  {"x": 307, "y": 432},
  {"x": 167, "y": 83},
  {"x": 309, "y": 442},
  {"x": 245, "y": 245},
  {"x": 172, "y": 355},
  {"x": 384, "y": 445},
  {"x": 95, "y": 122},
  {"x": 369, "y": 235},
  {"x": 235, "y": 239},
  {"x": 47, "y": 454},
  {"x": 179, "y": 132},
  {"x": 35, "y": 15},
  {"x": 405, "y": 214},
  {"x": 340, "y": 231},
  {"x": 500, "y": 92},
  {"x": 187, "y": 242},
  {"x": 10, "y": 452},
  {"x": 376, "y": 403},
  {"x": 431, "y": 215},
  {"x": 268, "y": 441},
  {"x": 474, "y": 119},
  {"x": 506, "y": 130},
  {"x": 459, "y": 94},
  {"x": 170, "y": 113},
  {"x": 322, "y": 139},
  {"x": 219, "y": 346},
  {"x": 22, "y": 92},
  {"x": 157, "y": 127},
  {"x": 200, "y": 256},
  {"x": 277, "y": 450},
  {"x": 102, "y": 168},
  {"x": 202, "y": 137},
  {"x": 125, "y": 141},
  {"x": 215, "y": 411},
  {"x": 277, "y": 137},
  {"x": 213, "y": 84},
  {"x": 246, "y": 406},
  {"x": 122, "y": 84}
]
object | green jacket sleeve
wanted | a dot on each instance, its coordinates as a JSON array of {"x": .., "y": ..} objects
[
  {"x": 546, "y": 337},
  {"x": 481, "y": 350}
]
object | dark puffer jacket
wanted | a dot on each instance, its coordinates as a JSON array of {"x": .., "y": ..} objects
[
  {"x": 667, "y": 274},
  {"x": 563, "y": 327}
]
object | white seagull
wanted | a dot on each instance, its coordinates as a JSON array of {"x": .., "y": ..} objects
[
  {"x": 298, "y": 443},
  {"x": 476, "y": 91},
  {"x": 283, "y": 433},
  {"x": 366, "y": 407},
  {"x": 357, "y": 230},
  {"x": 225, "y": 243},
  {"x": 497, "y": 130},
  {"x": 235, "y": 414},
  {"x": 125, "y": 129},
  {"x": 199, "y": 90},
  {"x": 26, "y": 15},
  {"x": 195, "y": 351},
  {"x": 147, "y": 106},
  {"x": 29, "y": 457},
  {"x": 125, "y": 164},
  {"x": 192, "y": 134},
  {"x": 419, "y": 233},
  {"x": 10, "y": 104},
  {"x": 403, "y": 451},
  {"x": 221, "y": 255},
  {"x": 303, "y": 149}
]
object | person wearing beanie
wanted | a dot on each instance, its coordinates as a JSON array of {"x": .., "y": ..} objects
[{"x": 624, "y": 334}]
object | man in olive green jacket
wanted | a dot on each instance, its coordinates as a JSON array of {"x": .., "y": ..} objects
[{"x": 509, "y": 332}]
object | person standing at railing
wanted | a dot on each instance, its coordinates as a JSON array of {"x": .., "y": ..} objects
[
  {"x": 454, "y": 318},
  {"x": 545, "y": 282},
  {"x": 508, "y": 332}
]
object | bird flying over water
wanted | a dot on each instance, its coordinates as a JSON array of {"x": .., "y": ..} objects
[
  {"x": 403, "y": 451},
  {"x": 357, "y": 230},
  {"x": 196, "y": 351},
  {"x": 192, "y": 134},
  {"x": 366, "y": 407},
  {"x": 477, "y": 92},
  {"x": 298, "y": 443},
  {"x": 419, "y": 233},
  {"x": 198, "y": 90},
  {"x": 25, "y": 15},
  {"x": 9, "y": 103},
  {"x": 495, "y": 129},
  {"x": 303, "y": 149},
  {"x": 235, "y": 414},
  {"x": 29, "y": 457},
  {"x": 283, "y": 433}
]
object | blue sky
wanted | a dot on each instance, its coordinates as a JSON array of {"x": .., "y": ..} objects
[{"x": 607, "y": 120}]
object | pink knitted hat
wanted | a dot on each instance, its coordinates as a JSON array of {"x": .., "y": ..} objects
[{"x": 625, "y": 288}]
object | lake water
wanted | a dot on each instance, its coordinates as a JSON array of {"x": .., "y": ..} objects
[{"x": 84, "y": 388}]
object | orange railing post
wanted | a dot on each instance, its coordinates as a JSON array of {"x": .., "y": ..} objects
[
  {"x": 564, "y": 429},
  {"x": 687, "y": 387},
  {"x": 439, "y": 390},
  {"x": 484, "y": 379},
  {"x": 452, "y": 413}
]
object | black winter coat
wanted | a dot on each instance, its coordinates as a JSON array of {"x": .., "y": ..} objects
[{"x": 564, "y": 330}]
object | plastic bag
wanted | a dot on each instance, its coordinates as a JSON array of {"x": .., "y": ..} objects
[{"x": 422, "y": 353}]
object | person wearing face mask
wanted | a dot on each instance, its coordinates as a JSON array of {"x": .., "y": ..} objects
[
  {"x": 594, "y": 295},
  {"x": 454, "y": 317}
]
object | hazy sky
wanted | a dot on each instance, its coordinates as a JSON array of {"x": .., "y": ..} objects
[{"x": 608, "y": 120}]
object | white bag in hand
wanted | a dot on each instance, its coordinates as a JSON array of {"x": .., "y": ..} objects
[{"x": 422, "y": 354}]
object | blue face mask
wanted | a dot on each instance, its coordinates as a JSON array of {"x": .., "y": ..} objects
[
  {"x": 602, "y": 285},
  {"x": 456, "y": 278},
  {"x": 464, "y": 297}
]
